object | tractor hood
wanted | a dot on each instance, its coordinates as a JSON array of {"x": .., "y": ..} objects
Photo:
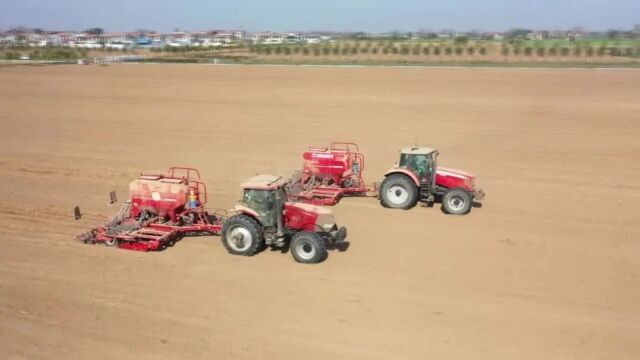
[
  {"x": 309, "y": 217},
  {"x": 454, "y": 178},
  {"x": 454, "y": 172}
]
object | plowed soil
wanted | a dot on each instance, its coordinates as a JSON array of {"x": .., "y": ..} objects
[{"x": 548, "y": 268}]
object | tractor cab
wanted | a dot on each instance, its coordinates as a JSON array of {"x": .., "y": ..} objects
[
  {"x": 422, "y": 162},
  {"x": 265, "y": 195}
]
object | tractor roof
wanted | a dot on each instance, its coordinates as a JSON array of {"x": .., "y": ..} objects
[
  {"x": 264, "y": 182},
  {"x": 417, "y": 150}
]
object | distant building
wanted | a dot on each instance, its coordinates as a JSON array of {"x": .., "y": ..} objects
[
  {"x": 575, "y": 35},
  {"x": 536, "y": 35},
  {"x": 293, "y": 38},
  {"x": 85, "y": 40},
  {"x": 8, "y": 38},
  {"x": 557, "y": 34},
  {"x": 267, "y": 38},
  {"x": 273, "y": 40},
  {"x": 225, "y": 37},
  {"x": 117, "y": 38},
  {"x": 143, "y": 40},
  {"x": 35, "y": 39},
  {"x": 178, "y": 39}
]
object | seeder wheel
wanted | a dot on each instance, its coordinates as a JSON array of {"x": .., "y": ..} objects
[
  {"x": 113, "y": 242},
  {"x": 351, "y": 182}
]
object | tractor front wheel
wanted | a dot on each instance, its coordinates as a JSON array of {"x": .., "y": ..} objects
[
  {"x": 456, "y": 202},
  {"x": 308, "y": 248},
  {"x": 241, "y": 235},
  {"x": 398, "y": 192}
]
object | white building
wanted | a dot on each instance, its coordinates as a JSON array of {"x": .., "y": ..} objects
[
  {"x": 116, "y": 38},
  {"x": 45, "y": 39},
  {"x": 267, "y": 38},
  {"x": 293, "y": 38},
  {"x": 8, "y": 38},
  {"x": 178, "y": 39},
  {"x": 535, "y": 36}
]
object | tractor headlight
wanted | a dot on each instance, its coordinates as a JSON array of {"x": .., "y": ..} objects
[{"x": 325, "y": 221}]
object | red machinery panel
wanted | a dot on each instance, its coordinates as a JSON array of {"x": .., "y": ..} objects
[
  {"x": 158, "y": 194},
  {"x": 334, "y": 164}
]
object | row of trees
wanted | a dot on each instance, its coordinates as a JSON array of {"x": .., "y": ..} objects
[
  {"x": 566, "y": 51},
  {"x": 185, "y": 49},
  {"x": 355, "y": 50},
  {"x": 442, "y": 50}
]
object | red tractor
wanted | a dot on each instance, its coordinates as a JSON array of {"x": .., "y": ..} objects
[
  {"x": 266, "y": 217},
  {"x": 162, "y": 208},
  {"x": 328, "y": 173},
  {"x": 418, "y": 178}
]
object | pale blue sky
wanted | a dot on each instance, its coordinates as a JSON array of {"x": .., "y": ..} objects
[{"x": 280, "y": 15}]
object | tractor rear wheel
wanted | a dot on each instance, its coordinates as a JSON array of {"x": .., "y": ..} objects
[
  {"x": 398, "y": 192},
  {"x": 456, "y": 202},
  {"x": 308, "y": 248},
  {"x": 241, "y": 235}
]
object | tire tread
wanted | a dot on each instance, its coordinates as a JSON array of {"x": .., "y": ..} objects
[
  {"x": 401, "y": 179},
  {"x": 250, "y": 224},
  {"x": 319, "y": 243}
]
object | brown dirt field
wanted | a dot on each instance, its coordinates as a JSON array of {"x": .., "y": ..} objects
[{"x": 547, "y": 269}]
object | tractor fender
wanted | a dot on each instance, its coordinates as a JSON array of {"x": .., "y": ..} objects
[
  {"x": 406, "y": 172},
  {"x": 247, "y": 211}
]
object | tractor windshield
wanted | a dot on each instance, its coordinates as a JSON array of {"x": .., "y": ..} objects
[
  {"x": 262, "y": 202},
  {"x": 421, "y": 164}
]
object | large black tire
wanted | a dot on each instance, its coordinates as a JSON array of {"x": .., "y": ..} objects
[
  {"x": 241, "y": 235},
  {"x": 308, "y": 248},
  {"x": 398, "y": 192},
  {"x": 457, "y": 202}
]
